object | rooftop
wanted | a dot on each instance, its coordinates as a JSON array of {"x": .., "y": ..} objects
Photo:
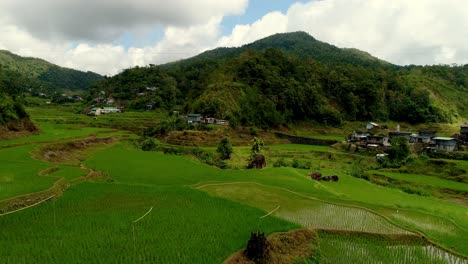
[{"x": 443, "y": 138}]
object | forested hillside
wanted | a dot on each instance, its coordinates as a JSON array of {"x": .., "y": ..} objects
[
  {"x": 42, "y": 76},
  {"x": 293, "y": 77}
]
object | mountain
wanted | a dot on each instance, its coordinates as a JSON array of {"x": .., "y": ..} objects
[
  {"x": 42, "y": 76},
  {"x": 299, "y": 44},
  {"x": 293, "y": 77}
]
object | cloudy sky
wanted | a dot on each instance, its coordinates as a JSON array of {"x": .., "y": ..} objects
[{"x": 107, "y": 36}]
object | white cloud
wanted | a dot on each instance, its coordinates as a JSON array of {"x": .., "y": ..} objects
[
  {"x": 400, "y": 31},
  {"x": 106, "y": 58},
  {"x": 272, "y": 23},
  {"x": 106, "y": 20}
]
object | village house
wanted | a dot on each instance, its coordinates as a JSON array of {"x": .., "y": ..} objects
[
  {"x": 445, "y": 144},
  {"x": 110, "y": 101},
  {"x": 371, "y": 125},
  {"x": 152, "y": 89},
  {"x": 221, "y": 122},
  {"x": 359, "y": 136},
  {"x": 194, "y": 118},
  {"x": 424, "y": 136},
  {"x": 464, "y": 132},
  {"x": 377, "y": 141},
  {"x": 209, "y": 120},
  {"x": 96, "y": 111}
]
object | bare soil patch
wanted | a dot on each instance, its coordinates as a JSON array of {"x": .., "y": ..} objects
[
  {"x": 72, "y": 152},
  {"x": 18, "y": 129}
]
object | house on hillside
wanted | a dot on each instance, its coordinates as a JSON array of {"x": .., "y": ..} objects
[
  {"x": 445, "y": 144},
  {"x": 371, "y": 125},
  {"x": 95, "y": 111},
  {"x": 359, "y": 136},
  {"x": 110, "y": 101},
  {"x": 424, "y": 136},
  {"x": 464, "y": 132},
  {"x": 221, "y": 122},
  {"x": 209, "y": 120},
  {"x": 152, "y": 89},
  {"x": 377, "y": 141},
  {"x": 194, "y": 118}
]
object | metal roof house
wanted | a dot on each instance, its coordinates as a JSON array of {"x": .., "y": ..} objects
[
  {"x": 424, "y": 136},
  {"x": 445, "y": 144},
  {"x": 194, "y": 118},
  {"x": 358, "y": 136},
  {"x": 464, "y": 130}
]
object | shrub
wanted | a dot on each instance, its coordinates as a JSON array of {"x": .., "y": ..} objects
[
  {"x": 148, "y": 145},
  {"x": 225, "y": 149},
  {"x": 257, "y": 247},
  {"x": 280, "y": 163}
]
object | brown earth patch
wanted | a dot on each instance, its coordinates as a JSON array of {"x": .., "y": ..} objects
[
  {"x": 284, "y": 248},
  {"x": 18, "y": 129},
  {"x": 72, "y": 152}
]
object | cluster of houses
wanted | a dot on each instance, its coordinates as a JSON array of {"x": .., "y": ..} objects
[
  {"x": 196, "y": 119},
  {"x": 429, "y": 138}
]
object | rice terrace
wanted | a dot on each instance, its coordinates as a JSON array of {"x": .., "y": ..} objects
[{"x": 283, "y": 150}]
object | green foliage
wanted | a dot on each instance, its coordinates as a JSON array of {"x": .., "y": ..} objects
[
  {"x": 399, "y": 150},
  {"x": 292, "y": 77},
  {"x": 148, "y": 145},
  {"x": 41, "y": 76},
  {"x": 257, "y": 146},
  {"x": 7, "y": 109},
  {"x": 225, "y": 149}
]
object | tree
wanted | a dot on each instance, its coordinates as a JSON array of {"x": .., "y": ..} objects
[
  {"x": 256, "y": 160},
  {"x": 225, "y": 149},
  {"x": 257, "y": 247},
  {"x": 400, "y": 149},
  {"x": 257, "y": 146}
]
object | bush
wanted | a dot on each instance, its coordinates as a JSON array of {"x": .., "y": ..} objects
[
  {"x": 257, "y": 247},
  {"x": 148, "y": 145},
  {"x": 280, "y": 163},
  {"x": 225, "y": 149},
  {"x": 301, "y": 164}
]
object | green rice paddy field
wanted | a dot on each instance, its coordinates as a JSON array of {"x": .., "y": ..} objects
[{"x": 158, "y": 208}]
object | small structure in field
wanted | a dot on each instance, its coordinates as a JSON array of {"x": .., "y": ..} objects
[
  {"x": 95, "y": 111},
  {"x": 445, "y": 144}
]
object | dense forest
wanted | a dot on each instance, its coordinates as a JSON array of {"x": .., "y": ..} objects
[
  {"x": 11, "y": 107},
  {"x": 39, "y": 76},
  {"x": 293, "y": 77}
]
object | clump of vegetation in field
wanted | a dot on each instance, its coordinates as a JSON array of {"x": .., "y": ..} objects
[
  {"x": 256, "y": 160},
  {"x": 397, "y": 153},
  {"x": 225, "y": 149},
  {"x": 298, "y": 246}
]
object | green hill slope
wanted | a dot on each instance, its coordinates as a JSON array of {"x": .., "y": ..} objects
[
  {"x": 40, "y": 73},
  {"x": 293, "y": 77}
]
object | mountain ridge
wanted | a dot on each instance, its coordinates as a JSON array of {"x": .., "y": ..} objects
[
  {"x": 293, "y": 77},
  {"x": 49, "y": 76}
]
